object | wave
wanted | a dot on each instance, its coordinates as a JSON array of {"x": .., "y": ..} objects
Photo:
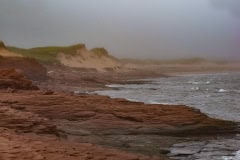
[
  {"x": 236, "y": 91},
  {"x": 193, "y": 82},
  {"x": 200, "y": 82},
  {"x": 195, "y": 88},
  {"x": 208, "y": 82},
  {"x": 113, "y": 85},
  {"x": 132, "y": 100},
  {"x": 163, "y": 103},
  {"x": 222, "y": 90},
  {"x": 236, "y": 156}
]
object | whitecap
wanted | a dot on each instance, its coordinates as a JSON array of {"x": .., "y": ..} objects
[
  {"x": 132, "y": 100},
  {"x": 222, "y": 90},
  {"x": 155, "y": 102},
  {"x": 195, "y": 88},
  {"x": 208, "y": 82},
  {"x": 113, "y": 85}
]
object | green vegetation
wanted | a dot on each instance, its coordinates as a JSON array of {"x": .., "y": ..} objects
[
  {"x": 100, "y": 52},
  {"x": 46, "y": 54}
]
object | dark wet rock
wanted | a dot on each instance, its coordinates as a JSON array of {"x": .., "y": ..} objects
[
  {"x": 11, "y": 90},
  {"x": 192, "y": 144},
  {"x": 206, "y": 150},
  {"x": 164, "y": 150},
  {"x": 17, "y": 107}
]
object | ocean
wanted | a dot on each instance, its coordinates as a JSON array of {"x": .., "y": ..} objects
[{"x": 217, "y": 95}]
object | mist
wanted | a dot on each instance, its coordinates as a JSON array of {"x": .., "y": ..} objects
[
  {"x": 232, "y": 6},
  {"x": 162, "y": 29}
]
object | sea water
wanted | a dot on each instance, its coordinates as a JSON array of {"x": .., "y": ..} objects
[{"x": 217, "y": 95}]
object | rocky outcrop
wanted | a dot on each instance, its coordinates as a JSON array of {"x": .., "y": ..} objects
[
  {"x": 29, "y": 67},
  {"x": 13, "y": 117},
  {"x": 27, "y": 133},
  {"x": 29, "y": 147},
  {"x": 207, "y": 149},
  {"x": 117, "y": 123},
  {"x": 102, "y": 115},
  {"x": 10, "y": 78}
]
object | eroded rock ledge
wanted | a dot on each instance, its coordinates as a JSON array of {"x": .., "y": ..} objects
[
  {"x": 48, "y": 125},
  {"x": 103, "y": 115},
  {"x": 95, "y": 119},
  {"x": 12, "y": 79},
  {"x": 21, "y": 147}
]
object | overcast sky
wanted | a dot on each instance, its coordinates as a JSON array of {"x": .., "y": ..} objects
[{"x": 127, "y": 28}]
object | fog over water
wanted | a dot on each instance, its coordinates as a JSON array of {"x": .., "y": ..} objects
[{"x": 127, "y": 28}]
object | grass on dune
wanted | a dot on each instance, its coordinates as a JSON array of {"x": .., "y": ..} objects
[{"x": 46, "y": 54}]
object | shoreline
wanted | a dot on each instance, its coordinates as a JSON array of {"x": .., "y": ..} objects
[
  {"x": 129, "y": 129},
  {"x": 121, "y": 85},
  {"x": 111, "y": 123}
]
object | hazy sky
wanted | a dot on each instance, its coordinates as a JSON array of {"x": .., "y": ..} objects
[{"x": 127, "y": 28}]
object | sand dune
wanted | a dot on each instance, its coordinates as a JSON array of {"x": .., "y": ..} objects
[
  {"x": 5, "y": 53},
  {"x": 83, "y": 58},
  {"x": 76, "y": 56}
]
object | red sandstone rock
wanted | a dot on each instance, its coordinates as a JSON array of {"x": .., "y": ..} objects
[
  {"x": 25, "y": 122},
  {"x": 29, "y": 147},
  {"x": 30, "y": 68},
  {"x": 10, "y": 78},
  {"x": 92, "y": 119},
  {"x": 102, "y": 115}
]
